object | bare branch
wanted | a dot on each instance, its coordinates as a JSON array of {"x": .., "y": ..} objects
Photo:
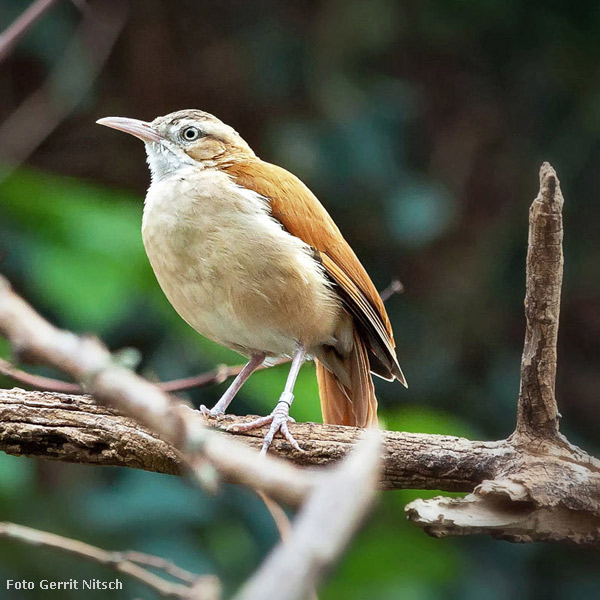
[
  {"x": 11, "y": 36},
  {"x": 538, "y": 412},
  {"x": 218, "y": 375},
  {"x": 278, "y": 515},
  {"x": 331, "y": 515},
  {"x": 162, "y": 564},
  {"x": 395, "y": 287},
  {"x": 37, "y": 382},
  {"x": 75, "y": 429},
  {"x": 551, "y": 491},
  {"x": 114, "y": 560},
  {"x": 504, "y": 510}
]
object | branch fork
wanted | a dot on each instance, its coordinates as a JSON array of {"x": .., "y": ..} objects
[{"x": 549, "y": 490}]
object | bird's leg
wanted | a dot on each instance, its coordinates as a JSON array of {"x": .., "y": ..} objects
[
  {"x": 280, "y": 416},
  {"x": 221, "y": 406}
]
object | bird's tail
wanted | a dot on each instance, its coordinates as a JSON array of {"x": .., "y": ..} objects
[{"x": 352, "y": 402}]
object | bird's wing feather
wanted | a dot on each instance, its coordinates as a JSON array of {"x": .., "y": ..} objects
[{"x": 302, "y": 215}]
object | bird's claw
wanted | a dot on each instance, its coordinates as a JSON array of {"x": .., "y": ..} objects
[{"x": 278, "y": 421}]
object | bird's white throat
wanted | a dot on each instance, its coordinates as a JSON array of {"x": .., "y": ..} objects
[{"x": 165, "y": 159}]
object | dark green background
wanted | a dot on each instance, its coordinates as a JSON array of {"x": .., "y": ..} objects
[{"x": 421, "y": 126}]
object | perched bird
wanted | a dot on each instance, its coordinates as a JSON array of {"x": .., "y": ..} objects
[{"x": 248, "y": 256}]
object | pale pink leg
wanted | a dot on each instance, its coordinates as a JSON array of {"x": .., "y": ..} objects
[
  {"x": 221, "y": 406},
  {"x": 280, "y": 416}
]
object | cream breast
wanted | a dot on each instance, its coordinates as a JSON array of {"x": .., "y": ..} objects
[{"x": 230, "y": 270}]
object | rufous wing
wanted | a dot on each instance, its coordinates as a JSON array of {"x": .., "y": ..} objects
[{"x": 302, "y": 215}]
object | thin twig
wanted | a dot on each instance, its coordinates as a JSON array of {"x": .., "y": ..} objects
[
  {"x": 395, "y": 287},
  {"x": 278, "y": 514},
  {"x": 10, "y": 37},
  {"x": 114, "y": 560},
  {"x": 37, "y": 382},
  {"x": 157, "y": 562},
  {"x": 218, "y": 375}
]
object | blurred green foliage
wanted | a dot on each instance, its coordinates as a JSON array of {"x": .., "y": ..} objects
[{"x": 421, "y": 126}]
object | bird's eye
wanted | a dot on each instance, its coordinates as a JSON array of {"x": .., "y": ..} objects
[{"x": 189, "y": 134}]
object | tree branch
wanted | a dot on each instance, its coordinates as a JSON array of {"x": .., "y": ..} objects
[
  {"x": 219, "y": 374},
  {"x": 75, "y": 429},
  {"x": 38, "y": 382},
  {"x": 201, "y": 588},
  {"x": 551, "y": 491}
]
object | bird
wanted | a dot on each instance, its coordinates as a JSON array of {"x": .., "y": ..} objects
[{"x": 249, "y": 257}]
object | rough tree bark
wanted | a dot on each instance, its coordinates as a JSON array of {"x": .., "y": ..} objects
[
  {"x": 75, "y": 429},
  {"x": 533, "y": 486}
]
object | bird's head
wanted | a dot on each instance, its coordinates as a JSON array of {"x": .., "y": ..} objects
[{"x": 186, "y": 138}]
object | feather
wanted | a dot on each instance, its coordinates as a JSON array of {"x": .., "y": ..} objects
[
  {"x": 302, "y": 215},
  {"x": 354, "y": 403}
]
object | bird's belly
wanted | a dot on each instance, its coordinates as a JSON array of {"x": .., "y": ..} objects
[
  {"x": 240, "y": 279},
  {"x": 220, "y": 322}
]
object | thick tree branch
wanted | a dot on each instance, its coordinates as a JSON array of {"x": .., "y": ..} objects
[
  {"x": 75, "y": 429},
  {"x": 503, "y": 508}
]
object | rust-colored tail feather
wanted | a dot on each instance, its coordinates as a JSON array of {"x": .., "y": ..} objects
[{"x": 355, "y": 405}]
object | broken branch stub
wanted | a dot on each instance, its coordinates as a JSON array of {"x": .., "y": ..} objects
[
  {"x": 546, "y": 489},
  {"x": 537, "y": 415}
]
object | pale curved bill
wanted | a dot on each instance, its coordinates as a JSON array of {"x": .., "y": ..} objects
[{"x": 140, "y": 129}]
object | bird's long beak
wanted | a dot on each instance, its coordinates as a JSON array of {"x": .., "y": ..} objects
[{"x": 140, "y": 129}]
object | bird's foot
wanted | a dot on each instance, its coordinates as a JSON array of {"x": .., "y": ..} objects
[
  {"x": 279, "y": 419},
  {"x": 211, "y": 412}
]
